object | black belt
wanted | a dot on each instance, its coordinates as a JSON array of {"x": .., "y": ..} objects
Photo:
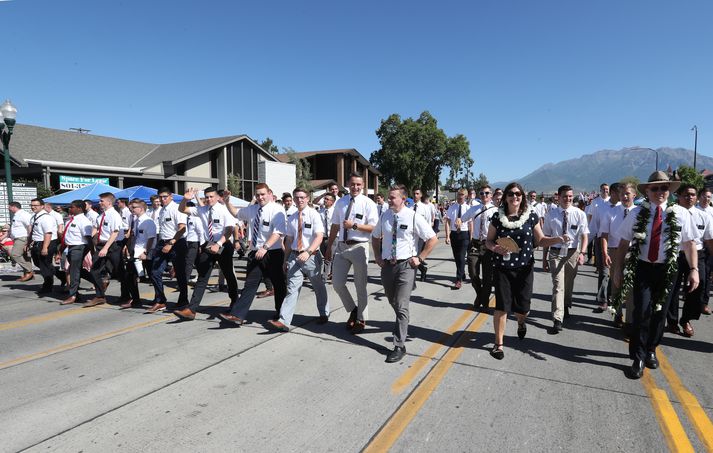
[
  {"x": 354, "y": 242},
  {"x": 398, "y": 261}
]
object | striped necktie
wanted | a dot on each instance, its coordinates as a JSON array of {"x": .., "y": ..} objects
[
  {"x": 256, "y": 227},
  {"x": 394, "y": 230}
]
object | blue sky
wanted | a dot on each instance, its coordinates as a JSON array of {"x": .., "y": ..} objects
[{"x": 528, "y": 82}]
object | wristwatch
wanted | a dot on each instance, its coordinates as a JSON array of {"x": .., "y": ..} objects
[{"x": 354, "y": 227}]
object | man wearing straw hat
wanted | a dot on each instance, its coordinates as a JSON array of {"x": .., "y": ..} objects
[{"x": 654, "y": 233}]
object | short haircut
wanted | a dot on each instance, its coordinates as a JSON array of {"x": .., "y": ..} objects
[
  {"x": 704, "y": 190},
  {"x": 486, "y": 186},
  {"x": 498, "y": 189},
  {"x": 286, "y": 195},
  {"x": 416, "y": 188},
  {"x": 38, "y": 200},
  {"x": 462, "y": 191},
  {"x": 330, "y": 196},
  {"x": 400, "y": 188},
  {"x": 564, "y": 188},
  {"x": 355, "y": 174},
  {"x": 531, "y": 192},
  {"x": 139, "y": 201},
  {"x": 153, "y": 198},
  {"x": 78, "y": 204},
  {"x": 300, "y": 189},
  {"x": 627, "y": 185},
  {"x": 262, "y": 185},
  {"x": 123, "y": 200},
  {"x": 221, "y": 192},
  {"x": 614, "y": 187},
  {"x": 685, "y": 187},
  {"x": 15, "y": 204},
  {"x": 603, "y": 185},
  {"x": 209, "y": 190},
  {"x": 379, "y": 195},
  {"x": 108, "y": 196},
  {"x": 164, "y": 189}
]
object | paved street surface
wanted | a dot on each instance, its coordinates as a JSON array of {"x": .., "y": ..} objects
[{"x": 103, "y": 379}]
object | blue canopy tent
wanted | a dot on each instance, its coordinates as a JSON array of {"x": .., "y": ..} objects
[
  {"x": 90, "y": 192},
  {"x": 142, "y": 193}
]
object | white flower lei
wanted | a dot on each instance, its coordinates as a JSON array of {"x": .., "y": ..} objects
[{"x": 513, "y": 225}]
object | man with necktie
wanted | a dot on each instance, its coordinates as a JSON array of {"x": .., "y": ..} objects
[
  {"x": 424, "y": 211},
  {"x": 216, "y": 245},
  {"x": 394, "y": 240},
  {"x": 352, "y": 223},
  {"x": 665, "y": 226},
  {"x": 305, "y": 233},
  {"x": 266, "y": 223},
  {"x": 140, "y": 243},
  {"x": 480, "y": 259},
  {"x": 75, "y": 244},
  {"x": 458, "y": 234}
]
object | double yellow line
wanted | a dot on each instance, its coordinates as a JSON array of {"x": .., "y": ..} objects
[{"x": 674, "y": 433}]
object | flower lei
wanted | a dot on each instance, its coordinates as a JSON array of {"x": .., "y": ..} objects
[
  {"x": 512, "y": 225},
  {"x": 672, "y": 231}
]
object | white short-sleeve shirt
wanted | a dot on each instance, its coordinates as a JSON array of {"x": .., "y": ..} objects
[
  {"x": 311, "y": 226},
  {"x": 108, "y": 222},
  {"x": 576, "y": 225},
  {"x": 611, "y": 222},
  {"x": 684, "y": 219},
  {"x": 271, "y": 220},
  {"x": 214, "y": 220},
  {"x": 409, "y": 227},
  {"x": 363, "y": 212},
  {"x": 21, "y": 221},
  {"x": 169, "y": 219},
  {"x": 144, "y": 229},
  {"x": 43, "y": 223},
  {"x": 77, "y": 229},
  {"x": 481, "y": 223},
  {"x": 452, "y": 215}
]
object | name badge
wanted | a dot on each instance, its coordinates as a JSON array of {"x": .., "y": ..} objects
[
  {"x": 216, "y": 220},
  {"x": 308, "y": 225},
  {"x": 265, "y": 223},
  {"x": 74, "y": 225},
  {"x": 106, "y": 223},
  {"x": 167, "y": 219},
  {"x": 701, "y": 227},
  {"x": 403, "y": 227},
  {"x": 141, "y": 231},
  {"x": 573, "y": 227},
  {"x": 359, "y": 216}
]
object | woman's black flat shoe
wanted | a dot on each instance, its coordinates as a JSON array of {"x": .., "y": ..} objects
[
  {"x": 521, "y": 331},
  {"x": 497, "y": 352}
]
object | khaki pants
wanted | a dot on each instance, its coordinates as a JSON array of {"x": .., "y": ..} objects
[
  {"x": 345, "y": 257},
  {"x": 19, "y": 256},
  {"x": 563, "y": 270}
]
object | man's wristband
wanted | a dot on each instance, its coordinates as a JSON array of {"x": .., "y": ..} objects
[{"x": 694, "y": 269}]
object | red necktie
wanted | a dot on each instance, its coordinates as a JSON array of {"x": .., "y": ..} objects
[
  {"x": 66, "y": 227},
  {"x": 655, "y": 236}
]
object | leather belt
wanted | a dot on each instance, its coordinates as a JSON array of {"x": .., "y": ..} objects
[{"x": 353, "y": 242}]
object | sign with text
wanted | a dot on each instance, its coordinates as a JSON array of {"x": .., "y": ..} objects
[
  {"x": 22, "y": 192},
  {"x": 77, "y": 182}
]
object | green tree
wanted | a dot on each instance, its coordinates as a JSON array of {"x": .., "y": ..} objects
[
  {"x": 269, "y": 146},
  {"x": 481, "y": 181},
  {"x": 688, "y": 175},
  {"x": 303, "y": 172},
  {"x": 234, "y": 184},
  {"x": 414, "y": 152}
]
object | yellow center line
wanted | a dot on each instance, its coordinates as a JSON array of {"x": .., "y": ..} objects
[
  {"x": 409, "y": 375},
  {"x": 46, "y": 317},
  {"x": 76, "y": 344},
  {"x": 670, "y": 424},
  {"x": 693, "y": 409},
  {"x": 392, "y": 430}
]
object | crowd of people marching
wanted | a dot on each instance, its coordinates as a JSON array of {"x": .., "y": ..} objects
[{"x": 649, "y": 253}]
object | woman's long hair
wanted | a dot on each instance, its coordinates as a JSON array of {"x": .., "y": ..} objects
[{"x": 523, "y": 198}]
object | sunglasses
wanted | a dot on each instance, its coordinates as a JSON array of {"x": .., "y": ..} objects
[
  {"x": 514, "y": 194},
  {"x": 663, "y": 188},
  {"x": 485, "y": 193}
]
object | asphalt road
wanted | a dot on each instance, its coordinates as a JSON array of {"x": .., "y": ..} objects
[{"x": 104, "y": 379}]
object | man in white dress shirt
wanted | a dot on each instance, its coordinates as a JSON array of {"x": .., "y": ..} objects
[
  {"x": 704, "y": 204},
  {"x": 305, "y": 233},
  {"x": 266, "y": 224},
  {"x": 394, "y": 240},
  {"x": 76, "y": 242},
  {"x": 425, "y": 211},
  {"x": 352, "y": 223},
  {"x": 139, "y": 245},
  {"x": 19, "y": 230},
  {"x": 603, "y": 281},
  {"x": 651, "y": 279},
  {"x": 480, "y": 259},
  {"x": 43, "y": 245},
  {"x": 217, "y": 227},
  {"x": 327, "y": 212},
  {"x": 458, "y": 234},
  {"x": 564, "y": 260}
]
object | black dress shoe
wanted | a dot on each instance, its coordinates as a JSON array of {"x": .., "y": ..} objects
[
  {"x": 556, "y": 328},
  {"x": 352, "y": 319},
  {"x": 651, "y": 360},
  {"x": 323, "y": 320},
  {"x": 637, "y": 369},
  {"x": 397, "y": 354}
]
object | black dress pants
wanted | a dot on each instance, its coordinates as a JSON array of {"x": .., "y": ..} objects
[
  {"x": 649, "y": 323},
  {"x": 204, "y": 266},
  {"x": 693, "y": 301},
  {"x": 111, "y": 263},
  {"x": 44, "y": 262},
  {"x": 459, "y": 245}
]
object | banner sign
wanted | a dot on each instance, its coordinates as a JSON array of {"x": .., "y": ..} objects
[
  {"x": 22, "y": 192},
  {"x": 77, "y": 182}
]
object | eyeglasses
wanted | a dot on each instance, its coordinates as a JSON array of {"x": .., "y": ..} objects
[
  {"x": 659, "y": 188},
  {"x": 485, "y": 193},
  {"x": 514, "y": 194},
  {"x": 35, "y": 205},
  {"x": 164, "y": 196}
]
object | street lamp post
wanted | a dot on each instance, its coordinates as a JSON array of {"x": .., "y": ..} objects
[
  {"x": 8, "y": 112},
  {"x": 657, "y": 156},
  {"x": 695, "y": 145}
]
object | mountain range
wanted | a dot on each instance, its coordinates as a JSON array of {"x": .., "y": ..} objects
[{"x": 589, "y": 171}]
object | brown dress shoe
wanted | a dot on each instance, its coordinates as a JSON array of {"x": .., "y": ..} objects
[
  {"x": 128, "y": 304},
  {"x": 278, "y": 325},
  {"x": 687, "y": 330},
  {"x": 358, "y": 327},
  {"x": 105, "y": 284},
  {"x": 156, "y": 307},
  {"x": 231, "y": 319},
  {"x": 268, "y": 293},
  {"x": 458, "y": 284},
  {"x": 26, "y": 277},
  {"x": 69, "y": 300},
  {"x": 95, "y": 301},
  {"x": 185, "y": 314}
]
